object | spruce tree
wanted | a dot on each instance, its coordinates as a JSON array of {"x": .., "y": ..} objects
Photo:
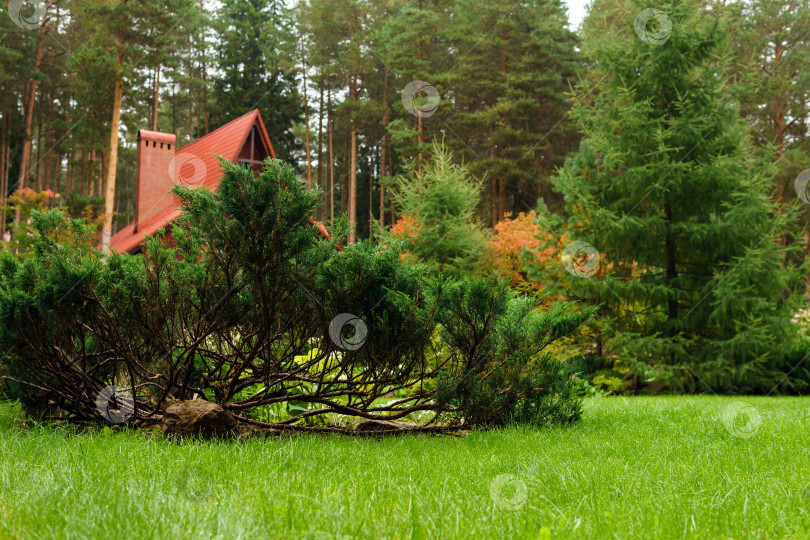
[
  {"x": 666, "y": 189},
  {"x": 438, "y": 206}
]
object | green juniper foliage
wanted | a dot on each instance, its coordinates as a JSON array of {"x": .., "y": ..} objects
[
  {"x": 492, "y": 328},
  {"x": 693, "y": 273},
  {"x": 242, "y": 311}
]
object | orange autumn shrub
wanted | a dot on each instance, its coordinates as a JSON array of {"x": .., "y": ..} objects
[
  {"x": 27, "y": 199},
  {"x": 511, "y": 236},
  {"x": 405, "y": 227}
]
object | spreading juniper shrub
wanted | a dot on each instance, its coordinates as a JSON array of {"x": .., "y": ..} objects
[{"x": 254, "y": 309}]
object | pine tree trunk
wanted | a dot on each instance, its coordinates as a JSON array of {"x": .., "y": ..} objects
[
  {"x": 420, "y": 126},
  {"x": 501, "y": 199},
  {"x": 71, "y": 173},
  {"x": 190, "y": 115},
  {"x": 204, "y": 77},
  {"x": 353, "y": 188},
  {"x": 153, "y": 124},
  {"x": 57, "y": 174},
  {"x": 5, "y": 129},
  {"x": 353, "y": 169},
  {"x": 38, "y": 162},
  {"x": 391, "y": 173},
  {"x": 306, "y": 132},
  {"x": 331, "y": 170},
  {"x": 493, "y": 194},
  {"x": 384, "y": 150},
  {"x": 46, "y": 180},
  {"x": 174, "y": 113},
  {"x": 419, "y": 139},
  {"x": 198, "y": 108},
  {"x": 29, "y": 99},
  {"x": 91, "y": 172},
  {"x": 7, "y": 172},
  {"x": 3, "y": 138},
  {"x": 320, "y": 150},
  {"x": 190, "y": 89},
  {"x": 112, "y": 162},
  {"x": 371, "y": 191},
  {"x": 346, "y": 161}
]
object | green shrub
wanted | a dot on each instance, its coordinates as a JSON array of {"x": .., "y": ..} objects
[
  {"x": 497, "y": 342},
  {"x": 242, "y": 312},
  {"x": 610, "y": 383}
]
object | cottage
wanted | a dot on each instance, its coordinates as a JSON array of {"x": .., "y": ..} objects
[{"x": 161, "y": 165}]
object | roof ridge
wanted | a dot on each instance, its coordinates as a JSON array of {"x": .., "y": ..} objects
[{"x": 254, "y": 112}]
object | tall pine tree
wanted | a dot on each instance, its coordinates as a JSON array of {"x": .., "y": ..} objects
[
  {"x": 255, "y": 60},
  {"x": 512, "y": 68}
]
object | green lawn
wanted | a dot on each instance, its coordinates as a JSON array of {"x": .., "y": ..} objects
[{"x": 641, "y": 467}]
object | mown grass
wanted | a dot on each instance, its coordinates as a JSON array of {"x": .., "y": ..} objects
[{"x": 641, "y": 467}]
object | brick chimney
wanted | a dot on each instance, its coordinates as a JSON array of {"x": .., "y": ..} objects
[{"x": 155, "y": 153}]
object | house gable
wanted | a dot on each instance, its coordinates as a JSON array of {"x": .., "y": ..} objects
[{"x": 243, "y": 140}]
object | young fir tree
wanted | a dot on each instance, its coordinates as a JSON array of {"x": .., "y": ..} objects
[
  {"x": 437, "y": 207},
  {"x": 665, "y": 188}
]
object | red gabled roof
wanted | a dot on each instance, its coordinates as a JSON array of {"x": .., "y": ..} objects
[
  {"x": 226, "y": 141},
  {"x": 127, "y": 239}
]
